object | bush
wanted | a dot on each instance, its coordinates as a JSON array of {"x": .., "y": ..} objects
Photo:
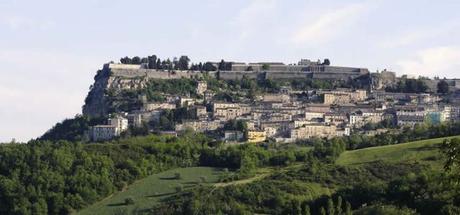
[
  {"x": 202, "y": 179},
  {"x": 179, "y": 188},
  {"x": 129, "y": 201}
]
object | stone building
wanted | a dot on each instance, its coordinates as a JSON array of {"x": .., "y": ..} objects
[
  {"x": 410, "y": 115},
  {"x": 343, "y": 96},
  {"x": 202, "y": 86},
  {"x": 314, "y": 130},
  {"x": 103, "y": 132},
  {"x": 256, "y": 136},
  {"x": 115, "y": 126}
]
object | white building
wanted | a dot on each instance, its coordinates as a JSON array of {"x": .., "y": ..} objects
[{"x": 114, "y": 128}]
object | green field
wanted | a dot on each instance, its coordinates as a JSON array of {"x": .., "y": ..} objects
[
  {"x": 424, "y": 151},
  {"x": 149, "y": 191}
]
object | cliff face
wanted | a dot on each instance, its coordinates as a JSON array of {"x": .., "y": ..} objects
[
  {"x": 104, "y": 94},
  {"x": 95, "y": 102}
]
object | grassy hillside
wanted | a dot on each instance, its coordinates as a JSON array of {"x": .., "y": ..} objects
[
  {"x": 153, "y": 189},
  {"x": 425, "y": 151}
]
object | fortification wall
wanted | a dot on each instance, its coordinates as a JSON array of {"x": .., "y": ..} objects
[
  {"x": 153, "y": 74},
  {"x": 287, "y": 75},
  {"x": 457, "y": 84},
  {"x": 335, "y": 75},
  {"x": 236, "y": 75}
]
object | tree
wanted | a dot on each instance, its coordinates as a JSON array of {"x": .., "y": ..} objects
[
  {"x": 306, "y": 210},
  {"x": 209, "y": 67},
  {"x": 348, "y": 209},
  {"x": 330, "y": 207},
  {"x": 158, "y": 66},
  {"x": 225, "y": 66},
  {"x": 326, "y": 62},
  {"x": 265, "y": 66},
  {"x": 129, "y": 201},
  {"x": 152, "y": 62},
  {"x": 443, "y": 87},
  {"x": 183, "y": 62},
  {"x": 322, "y": 211},
  {"x": 179, "y": 188},
  {"x": 339, "y": 205},
  {"x": 451, "y": 149},
  {"x": 136, "y": 60},
  {"x": 221, "y": 65},
  {"x": 125, "y": 60}
]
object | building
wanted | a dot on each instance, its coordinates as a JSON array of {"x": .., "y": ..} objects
[
  {"x": 120, "y": 123},
  {"x": 115, "y": 126},
  {"x": 312, "y": 115},
  {"x": 227, "y": 113},
  {"x": 157, "y": 105},
  {"x": 200, "y": 126},
  {"x": 343, "y": 96},
  {"x": 336, "y": 98},
  {"x": 217, "y": 105},
  {"x": 410, "y": 115},
  {"x": 185, "y": 102},
  {"x": 103, "y": 132},
  {"x": 314, "y": 130},
  {"x": 200, "y": 112},
  {"x": 282, "y": 98},
  {"x": 335, "y": 118},
  {"x": 255, "y": 136},
  {"x": 233, "y": 136},
  {"x": 134, "y": 119},
  {"x": 201, "y": 87}
]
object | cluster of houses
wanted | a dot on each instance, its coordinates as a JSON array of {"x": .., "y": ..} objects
[{"x": 291, "y": 115}]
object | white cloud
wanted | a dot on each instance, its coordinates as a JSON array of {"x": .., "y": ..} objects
[
  {"x": 441, "y": 61},
  {"x": 329, "y": 25}
]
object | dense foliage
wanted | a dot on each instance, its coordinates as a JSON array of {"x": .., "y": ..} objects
[
  {"x": 71, "y": 129},
  {"x": 406, "y": 85},
  {"x": 397, "y": 186},
  {"x": 57, "y": 178},
  {"x": 180, "y": 87}
]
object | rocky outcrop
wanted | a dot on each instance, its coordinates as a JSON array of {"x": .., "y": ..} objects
[
  {"x": 95, "y": 102},
  {"x": 105, "y": 94},
  {"x": 106, "y": 85}
]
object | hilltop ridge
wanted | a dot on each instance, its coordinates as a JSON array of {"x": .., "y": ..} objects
[{"x": 124, "y": 76}]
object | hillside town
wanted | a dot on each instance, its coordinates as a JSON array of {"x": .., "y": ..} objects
[{"x": 367, "y": 105}]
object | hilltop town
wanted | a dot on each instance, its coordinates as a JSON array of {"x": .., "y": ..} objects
[{"x": 267, "y": 101}]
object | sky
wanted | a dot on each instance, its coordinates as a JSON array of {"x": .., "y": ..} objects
[{"x": 51, "y": 50}]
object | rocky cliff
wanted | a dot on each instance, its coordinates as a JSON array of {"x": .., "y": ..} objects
[{"x": 107, "y": 85}]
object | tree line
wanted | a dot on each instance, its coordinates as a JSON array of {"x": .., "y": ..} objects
[{"x": 181, "y": 63}]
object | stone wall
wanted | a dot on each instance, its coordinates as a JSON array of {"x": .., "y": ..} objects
[
  {"x": 287, "y": 75},
  {"x": 236, "y": 75}
]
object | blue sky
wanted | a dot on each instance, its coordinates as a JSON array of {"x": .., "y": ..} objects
[{"x": 50, "y": 50}]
